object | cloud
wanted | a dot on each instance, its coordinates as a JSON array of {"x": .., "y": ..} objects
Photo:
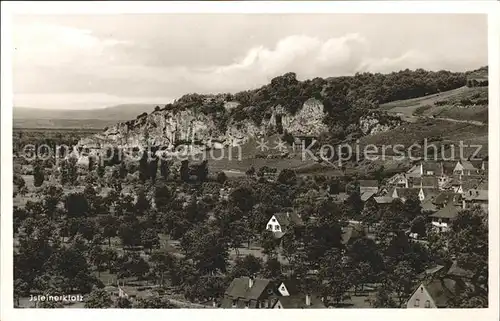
[{"x": 59, "y": 66}]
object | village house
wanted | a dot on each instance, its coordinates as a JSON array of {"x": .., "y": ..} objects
[
  {"x": 446, "y": 197},
  {"x": 249, "y": 292},
  {"x": 421, "y": 193},
  {"x": 465, "y": 167},
  {"x": 399, "y": 180},
  {"x": 475, "y": 197},
  {"x": 442, "y": 219},
  {"x": 280, "y": 223},
  {"x": 435, "y": 293},
  {"x": 368, "y": 186},
  {"x": 425, "y": 182},
  {"x": 438, "y": 286},
  {"x": 291, "y": 298}
]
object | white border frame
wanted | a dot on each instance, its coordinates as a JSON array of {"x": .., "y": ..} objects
[{"x": 492, "y": 8}]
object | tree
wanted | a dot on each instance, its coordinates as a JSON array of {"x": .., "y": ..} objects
[
  {"x": 144, "y": 170},
  {"x": 52, "y": 196},
  {"x": 272, "y": 269},
  {"x": 69, "y": 173},
  {"x": 110, "y": 226},
  {"x": 153, "y": 169},
  {"x": 399, "y": 283},
  {"x": 98, "y": 299},
  {"x": 383, "y": 298},
  {"x": 337, "y": 279},
  {"x": 21, "y": 289},
  {"x": 163, "y": 197},
  {"x": 123, "y": 303},
  {"x": 202, "y": 171},
  {"x": 221, "y": 177},
  {"x": 246, "y": 266},
  {"x": 370, "y": 213},
  {"x": 419, "y": 226},
  {"x": 243, "y": 198},
  {"x": 165, "y": 168},
  {"x": 142, "y": 204},
  {"x": 100, "y": 170},
  {"x": 250, "y": 172},
  {"x": 184, "y": 171},
  {"x": 412, "y": 208},
  {"x": 205, "y": 246},
  {"x": 130, "y": 232},
  {"x": 287, "y": 177},
  {"x": 468, "y": 243},
  {"x": 38, "y": 173},
  {"x": 91, "y": 164},
  {"x": 76, "y": 205},
  {"x": 150, "y": 239},
  {"x": 162, "y": 264},
  {"x": 132, "y": 264},
  {"x": 355, "y": 204},
  {"x": 269, "y": 244}
]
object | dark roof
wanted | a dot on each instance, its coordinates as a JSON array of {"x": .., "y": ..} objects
[
  {"x": 468, "y": 165},
  {"x": 298, "y": 301},
  {"x": 470, "y": 182},
  {"x": 407, "y": 192},
  {"x": 447, "y": 197},
  {"x": 430, "y": 192},
  {"x": 291, "y": 286},
  {"x": 449, "y": 211},
  {"x": 425, "y": 181},
  {"x": 368, "y": 183},
  {"x": 428, "y": 206},
  {"x": 448, "y": 166},
  {"x": 476, "y": 195},
  {"x": 239, "y": 288},
  {"x": 366, "y": 196},
  {"x": 286, "y": 218},
  {"x": 431, "y": 166},
  {"x": 442, "y": 290},
  {"x": 431, "y": 271},
  {"x": 456, "y": 271},
  {"x": 383, "y": 199},
  {"x": 483, "y": 185}
]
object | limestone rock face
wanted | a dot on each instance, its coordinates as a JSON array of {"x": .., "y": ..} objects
[
  {"x": 171, "y": 128},
  {"x": 371, "y": 125}
]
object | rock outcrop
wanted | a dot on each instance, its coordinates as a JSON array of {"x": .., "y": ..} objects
[{"x": 170, "y": 128}]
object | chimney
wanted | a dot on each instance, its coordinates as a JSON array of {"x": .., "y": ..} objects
[
  {"x": 250, "y": 282},
  {"x": 308, "y": 300}
]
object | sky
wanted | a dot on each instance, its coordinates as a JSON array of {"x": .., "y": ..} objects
[{"x": 96, "y": 61}]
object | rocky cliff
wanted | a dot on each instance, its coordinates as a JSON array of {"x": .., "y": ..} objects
[{"x": 170, "y": 128}]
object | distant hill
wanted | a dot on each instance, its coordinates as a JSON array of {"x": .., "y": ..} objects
[{"x": 25, "y": 117}]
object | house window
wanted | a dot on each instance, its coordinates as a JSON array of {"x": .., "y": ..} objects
[
  {"x": 269, "y": 226},
  {"x": 427, "y": 304},
  {"x": 417, "y": 303},
  {"x": 277, "y": 227},
  {"x": 421, "y": 290},
  {"x": 274, "y": 220}
]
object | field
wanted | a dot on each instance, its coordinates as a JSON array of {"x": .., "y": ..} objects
[
  {"x": 440, "y": 132},
  {"x": 461, "y": 104}
]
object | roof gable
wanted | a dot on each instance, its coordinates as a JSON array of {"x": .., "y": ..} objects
[{"x": 450, "y": 211}]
